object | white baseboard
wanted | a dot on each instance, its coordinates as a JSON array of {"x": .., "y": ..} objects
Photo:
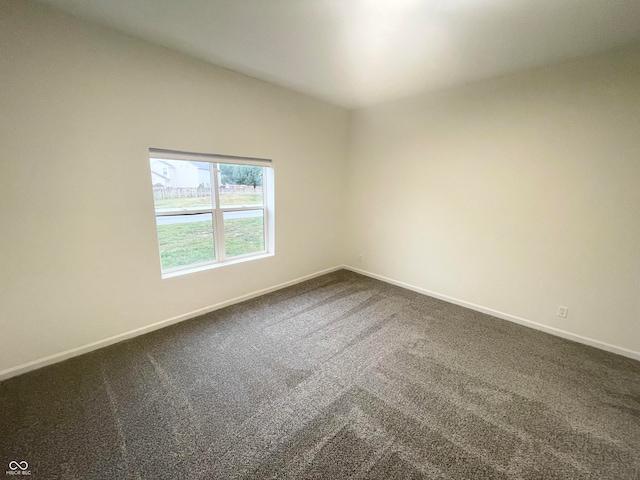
[
  {"x": 505, "y": 316},
  {"x": 74, "y": 352}
]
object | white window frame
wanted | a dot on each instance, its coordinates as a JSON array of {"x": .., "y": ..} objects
[{"x": 217, "y": 211}]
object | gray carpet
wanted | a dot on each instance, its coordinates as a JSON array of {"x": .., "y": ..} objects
[{"x": 338, "y": 377}]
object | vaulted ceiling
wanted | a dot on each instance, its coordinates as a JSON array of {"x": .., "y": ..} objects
[{"x": 359, "y": 52}]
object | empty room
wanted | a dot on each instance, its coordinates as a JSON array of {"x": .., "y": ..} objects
[{"x": 373, "y": 239}]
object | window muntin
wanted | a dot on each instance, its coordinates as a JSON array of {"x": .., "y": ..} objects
[{"x": 210, "y": 209}]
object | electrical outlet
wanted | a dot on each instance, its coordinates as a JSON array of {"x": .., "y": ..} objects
[
  {"x": 563, "y": 312},
  {"x": 360, "y": 258}
]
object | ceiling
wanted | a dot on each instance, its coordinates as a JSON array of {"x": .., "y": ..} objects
[{"x": 359, "y": 52}]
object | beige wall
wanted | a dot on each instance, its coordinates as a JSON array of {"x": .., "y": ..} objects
[
  {"x": 518, "y": 195},
  {"x": 80, "y": 106}
]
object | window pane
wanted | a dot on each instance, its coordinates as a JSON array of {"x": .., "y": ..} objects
[
  {"x": 185, "y": 240},
  {"x": 240, "y": 185},
  {"x": 180, "y": 185},
  {"x": 243, "y": 232}
]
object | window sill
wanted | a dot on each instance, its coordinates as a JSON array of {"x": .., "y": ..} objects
[{"x": 211, "y": 266}]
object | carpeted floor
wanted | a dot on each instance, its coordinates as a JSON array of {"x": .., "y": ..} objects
[{"x": 338, "y": 377}]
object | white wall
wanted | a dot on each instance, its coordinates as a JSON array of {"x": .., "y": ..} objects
[
  {"x": 518, "y": 194},
  {"x": 80, "y": 106}
]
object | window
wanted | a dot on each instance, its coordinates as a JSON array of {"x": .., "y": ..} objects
[{"x": 210, "y": 209}]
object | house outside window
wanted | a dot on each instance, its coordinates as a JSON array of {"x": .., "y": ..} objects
[{"x": 211, "y": 210}]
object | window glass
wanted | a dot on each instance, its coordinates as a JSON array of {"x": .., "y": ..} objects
[
  {"x": 240, "y": 185},
  {"x": 180, "y": 185},
  {"x": 192, "y": 230},
  {"x": 185, "y": 240},
  {"x": 243, "y": 232}
]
